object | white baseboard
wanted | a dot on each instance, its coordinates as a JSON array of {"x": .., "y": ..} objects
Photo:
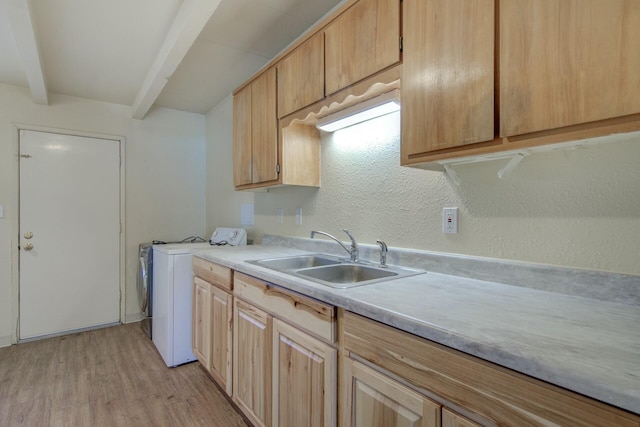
[
  {"x": 5, "y": 341},
  {"x": 133, "y": 317}
]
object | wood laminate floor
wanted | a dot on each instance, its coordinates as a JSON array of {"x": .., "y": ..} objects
[{"x": 105, "y": 377}]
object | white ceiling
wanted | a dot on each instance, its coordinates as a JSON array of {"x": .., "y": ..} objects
[{"x": 122, "y": 51}]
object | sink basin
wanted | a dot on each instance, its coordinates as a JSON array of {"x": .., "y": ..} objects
[
  {"x": 347, "y": 273},
  {"x": 296, "y": 262},
  {"x": 332, "y": 271}
]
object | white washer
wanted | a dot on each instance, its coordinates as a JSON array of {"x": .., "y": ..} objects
[{"x": 172, "y": 300}]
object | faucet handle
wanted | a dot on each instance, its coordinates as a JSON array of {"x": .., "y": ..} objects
[
  {"x": 354, "y": 246},
  {"x": 383, "y": 253}
]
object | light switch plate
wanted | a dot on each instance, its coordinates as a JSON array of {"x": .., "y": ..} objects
[
  {"x": 1, "y": 211},
  {"x": 246, "y": 214},
  {"x": 298, "y": 216}
]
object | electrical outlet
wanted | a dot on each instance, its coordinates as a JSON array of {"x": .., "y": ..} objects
[
  {"x": 298, "y": 216},
  {"x": 450, "y": 220}
]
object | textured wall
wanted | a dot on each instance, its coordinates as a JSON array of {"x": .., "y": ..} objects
[{"x": 576, "y": 208}]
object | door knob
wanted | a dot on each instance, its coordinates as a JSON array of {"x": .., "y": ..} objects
[
  {"x": 28, "y": 247},
  {"x": 28, "y": 235}
]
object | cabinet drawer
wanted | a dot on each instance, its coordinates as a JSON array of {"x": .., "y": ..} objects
[
  {"x": 213, "y": 273},
  {"x": 308, "y": 314}
]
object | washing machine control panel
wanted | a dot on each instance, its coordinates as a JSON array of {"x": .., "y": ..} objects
[{"x": 229, "y": 236}]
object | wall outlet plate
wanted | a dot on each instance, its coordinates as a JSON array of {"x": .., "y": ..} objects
[
  {"x": 298, "y": 216},
  {"x": 450, "y": 220}
]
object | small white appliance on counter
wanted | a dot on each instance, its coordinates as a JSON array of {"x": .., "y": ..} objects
[
  {"x": 173, "y": 291},
  {"x": 229, "y": 236}
]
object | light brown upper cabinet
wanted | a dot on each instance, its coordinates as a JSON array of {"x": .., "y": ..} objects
[
  {"x": 255, "y": 132},
  {"x": 301, "y": 76},
  {"x": 448, "y": 75},
  {"x": 567, "y": 62},
  {"x": 361, "y": 41}
]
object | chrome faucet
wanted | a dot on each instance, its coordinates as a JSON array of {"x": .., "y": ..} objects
[
  {"x": 383, "y": 253},
  {"x": 353, "y": 252}
]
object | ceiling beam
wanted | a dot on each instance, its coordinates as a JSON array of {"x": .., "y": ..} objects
[
  {"x": 189, "y": 22},
  {"x": 19, "y": 15}
]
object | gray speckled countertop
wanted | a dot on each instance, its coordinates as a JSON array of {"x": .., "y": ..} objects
[{"x": 586, "y": 345}]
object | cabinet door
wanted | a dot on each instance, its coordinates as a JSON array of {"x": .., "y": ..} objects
[
  {"x": 451, "y": 419},
  {"x": 361, "y": 41},
  {"x": 200, "y": 328},
  {"x": 567, "y": 62},
  {"x": 242, "y": 137},
  {"x": 375, "y": 400},
  {"x": 304, "y": 379},
  {"x": 448, "y": 75},
  {"x": 252, "y": 362},
  {"x": 221, "y": 304},
  {"x": 264, "y": 128},
  {"x": 301, "y": 76}
]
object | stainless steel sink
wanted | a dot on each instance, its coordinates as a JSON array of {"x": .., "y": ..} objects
[
  {"x": 346, "y": 273},
  {"x": 296, "y": 262},
  {"x": 333, "y": 271}
]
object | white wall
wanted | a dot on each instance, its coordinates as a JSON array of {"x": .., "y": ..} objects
[
  {"x": 574, "y": 208},
  {"x": 164, "y": 168}
]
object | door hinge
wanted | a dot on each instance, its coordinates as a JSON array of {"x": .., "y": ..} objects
[
  {"x": 401, "y": 43},
  {"x": 278, "y": 168}
]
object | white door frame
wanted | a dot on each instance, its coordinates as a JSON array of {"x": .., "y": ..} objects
[{"x": 15, "y": 264}]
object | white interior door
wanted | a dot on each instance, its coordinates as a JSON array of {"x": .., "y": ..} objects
[{"x": 69, "y": 233}]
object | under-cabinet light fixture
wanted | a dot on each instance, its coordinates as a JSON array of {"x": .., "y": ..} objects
[{"x": 375, "y": 107}]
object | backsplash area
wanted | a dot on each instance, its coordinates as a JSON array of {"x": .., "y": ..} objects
[
  {"x": 579, "y": 209},
  {"x": 611, "y": 287}
]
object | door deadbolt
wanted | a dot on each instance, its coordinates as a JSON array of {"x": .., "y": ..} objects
[
  {"x": 28, "y": 247},
  {"x": 28, "y": 235}
]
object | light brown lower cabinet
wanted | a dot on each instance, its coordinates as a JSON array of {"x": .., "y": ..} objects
[
  {"x": 490, "y": 394},
  {"x": 374, "y": 400},
  {"x": 304, "y": 379},
  {"x": 283, "y": 375},
  {"x": 252, "y": 362},
  {"x": 221, "y": 335},
  {"x": 276, "y": 353},
  {"x": 213, "y": 320},
  {"x": 200, "y": 339},
  {"x": 451, "y": 419}
]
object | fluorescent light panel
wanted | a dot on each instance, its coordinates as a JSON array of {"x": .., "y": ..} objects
[{"x": 367, "y": 110}]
